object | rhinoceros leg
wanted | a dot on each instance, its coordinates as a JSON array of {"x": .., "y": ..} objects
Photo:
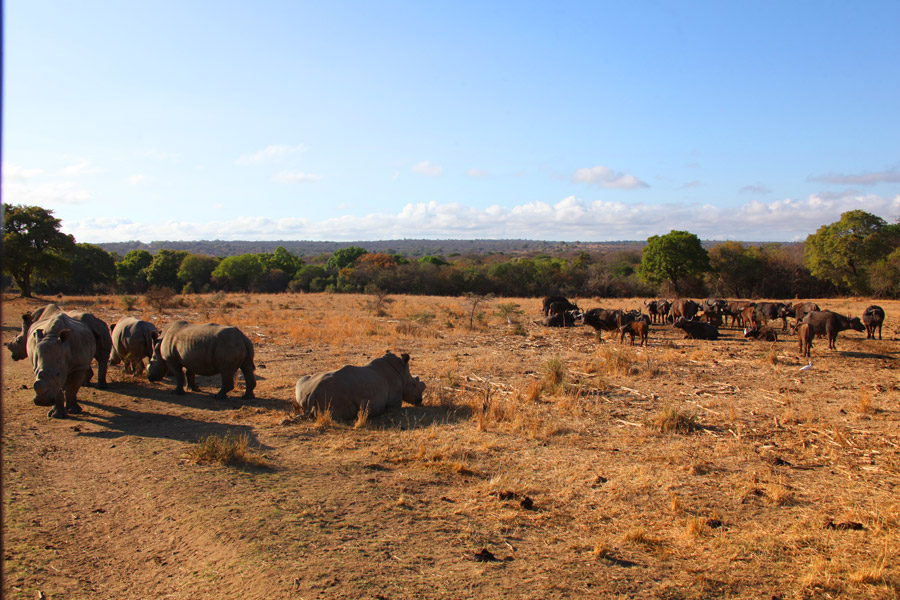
[
  {"x": 249, "y": 382},
  {"x": 101, "y": 372},
  {"x": 192, "y": 381},
  {"x": 72, "y": 386},
  {"x": 179, "y": 378},
  {"x": 227, "y": 384}
]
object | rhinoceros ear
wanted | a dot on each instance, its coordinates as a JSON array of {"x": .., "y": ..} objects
[
  {"x": 405, "y": 357},
  {"x": 39, "y": 334},
  {"x": 112, "y": 327},
  {"x": 64, "y": 334},
  {"x": 154, "y": 335}
]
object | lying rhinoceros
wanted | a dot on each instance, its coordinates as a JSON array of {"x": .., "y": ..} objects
[
  {"x": 102, "y": 339},
  {"x": 132, "y": 340},
  {"x": 207, "y": 349},
  {"x": 61, "y": 349},
  {"x": 382, "y": 384}
]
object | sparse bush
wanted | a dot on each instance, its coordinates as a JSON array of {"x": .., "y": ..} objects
[
  {"x": 159, "y": 297},
  {"x": 672, "y": 420},
  {"x": 129, "y": 302},
  {"x": 230, "y": 449},
  {"x": 554, "y": 372}
]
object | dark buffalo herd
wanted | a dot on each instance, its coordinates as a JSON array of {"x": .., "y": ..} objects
[{"x": 702, "y": 320}]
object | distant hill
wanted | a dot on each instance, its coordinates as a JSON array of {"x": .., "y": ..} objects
[{"x": 407, "y": 247}]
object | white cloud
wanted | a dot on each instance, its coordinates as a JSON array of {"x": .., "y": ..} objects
[
  {"x": 47, "y": 194},
  {"x": 295, "y": 177},
  {"x": 426, "y": 168},
  {"x": 607, "y": 178},
  {"x": 477, "y": 173},
  {"x": 82, "y": 167},
  {"x": 568, "y": 219},
  {"x": 136, "y": 179},
  {"x": 13, "y": 172},
  {"x": 755, "y": 189},
  {"x": 268, "y": 153}
]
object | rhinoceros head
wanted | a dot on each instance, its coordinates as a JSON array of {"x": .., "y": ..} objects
[
  {"x": 157, "y": 368},
  {"x": 50, "y": 367},
  {"x": 18, "y": 347},
  {"x": 413, "y": 387}
]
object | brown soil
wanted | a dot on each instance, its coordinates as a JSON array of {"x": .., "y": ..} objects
[{"x": 687, "y": 469}]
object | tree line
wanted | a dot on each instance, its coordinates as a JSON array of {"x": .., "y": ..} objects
[{"x": 859, "y": 255}]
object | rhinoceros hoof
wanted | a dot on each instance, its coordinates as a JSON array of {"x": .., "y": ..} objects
[
  {"x": 220, "y": 395},
  {"x": 73, "y": 409},
  {"x": 248, "y": 396},
  {"x": 179, "y": 392},
  {"x": 57, "y": 413}
]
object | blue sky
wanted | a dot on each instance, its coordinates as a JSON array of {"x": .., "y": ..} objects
[{"x": 379, "y": 120}]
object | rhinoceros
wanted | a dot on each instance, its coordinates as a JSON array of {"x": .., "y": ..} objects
[
  {"x": 102, "y": 339},
  {"x": 382, "y": 384},
  {"x": 61, "y": 349},
  {"x": 132, "y": 340},
  {"x": 207, "y": 349}
]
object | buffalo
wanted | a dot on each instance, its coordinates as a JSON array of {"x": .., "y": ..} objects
[
  {"x": 697, "y": 330},
  {"x": 873, "y": 318},
  {"x": 805, "y": 335},
  {"x": 638, "y": 327},
  {"x": 683, "y": 308},
  {"x": 550, "y": 300},
  {"x": 761, "y": 332},
  {"x": 602, "y": 320},
  {"x": 829, "y": 324}
]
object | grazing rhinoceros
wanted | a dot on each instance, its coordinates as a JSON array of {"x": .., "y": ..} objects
[
  {"x": 61, "y": 349},
  {"x": 378, "y": 386},
  {"x": 132, "y": 340},
  {"x": 99, "y": 329},
  {"x": 207, "y": 349}
]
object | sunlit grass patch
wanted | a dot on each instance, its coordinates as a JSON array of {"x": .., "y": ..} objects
[{"x": 231, "y": 449}]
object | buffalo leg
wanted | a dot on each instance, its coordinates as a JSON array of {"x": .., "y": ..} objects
[{"x": 227, "y": 384}]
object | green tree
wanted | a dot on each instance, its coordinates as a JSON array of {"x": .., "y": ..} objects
[
  {"x": 239, "y": 272},
  {"x": 163, "y": 269},
  {"x": 33, "y": 245},
  {"x": 282, "y": 260},
  {"x": 736, "y": 268},
  {"x": 92, "y": 268},
  {"x": 345, "y": 257},
  {"x": 843, "y": 251},
  {"x": 196, "y": 270},
  {"x": 673, "y": 258},
  {"x": 131, "y": 271}
]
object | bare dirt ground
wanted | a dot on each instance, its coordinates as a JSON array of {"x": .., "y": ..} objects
[{"x": 537, "y": 467}]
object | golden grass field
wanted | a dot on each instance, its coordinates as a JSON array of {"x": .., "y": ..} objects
[{"x": 542, "y": 463}]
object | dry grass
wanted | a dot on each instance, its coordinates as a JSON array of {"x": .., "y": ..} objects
[
  {"x": 231, "y": 449},
  {"x": 686, "y": 468}
]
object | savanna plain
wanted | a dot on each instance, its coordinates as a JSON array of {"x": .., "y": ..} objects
[{"x": 543, "y": 463}]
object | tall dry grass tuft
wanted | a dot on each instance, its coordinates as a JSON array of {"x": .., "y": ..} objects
[
  {"x": 671, "y": 419},
  {"x": 554, "y": 372},
  {"x": 230, "y": 449},
  {"x": 324, "y": 420},
  {"x": 864, "y": 402},
  {"x": 362, "y": 417},
  {"x": 616, "y": 361}
]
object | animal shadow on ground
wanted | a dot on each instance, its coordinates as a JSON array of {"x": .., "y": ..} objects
[
  {"x": 124, "y": 421},
  {"x": 851, "y": 354},
  {"x": 419, "y": 417},
  {"x": 202, "y": 400}
]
